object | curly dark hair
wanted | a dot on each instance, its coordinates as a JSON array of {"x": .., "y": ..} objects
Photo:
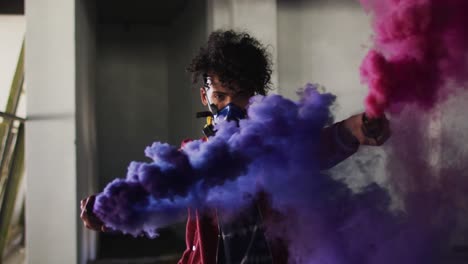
[{"x": 239, "y": 60}]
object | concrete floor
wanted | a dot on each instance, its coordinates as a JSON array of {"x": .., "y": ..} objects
[{"x": 158, "y": 260}]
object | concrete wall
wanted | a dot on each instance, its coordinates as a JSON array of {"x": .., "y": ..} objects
[
  {"x": 257, "y": 17},
  {"x": 131, "y": 95},
  {"x": 86, "y": 134},
  {"x": 144, "y": 92},
  {"x": 184, "y": 98},
  {"x": 51, "y": 205}
]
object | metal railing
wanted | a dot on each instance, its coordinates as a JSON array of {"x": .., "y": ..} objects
[
  {"x": 11, "y": 117},
  {"x": 12, "y": 165}
]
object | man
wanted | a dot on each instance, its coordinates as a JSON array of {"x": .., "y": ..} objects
[{"x": 234, "y": 67}]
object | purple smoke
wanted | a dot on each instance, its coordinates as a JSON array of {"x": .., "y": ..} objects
[
  {"x": 276, "y": 151},
  {"x": 237, "y": 161}
]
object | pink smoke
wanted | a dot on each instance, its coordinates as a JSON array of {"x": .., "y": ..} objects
[
  {"x": 419, "y": 62},
  {"x": 419, "y": 53}
]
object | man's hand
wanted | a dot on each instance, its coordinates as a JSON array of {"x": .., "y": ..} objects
[
  {"x": 356, "y": 126},
  {"x": 90, "y": 220}
]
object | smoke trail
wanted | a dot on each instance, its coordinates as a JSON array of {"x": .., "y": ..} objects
[{"x": 420, "y": 53}]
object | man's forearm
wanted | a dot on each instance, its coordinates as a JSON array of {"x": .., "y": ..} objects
[{"x": 337, "y": 143}]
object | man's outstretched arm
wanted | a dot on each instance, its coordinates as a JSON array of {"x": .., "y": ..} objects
[{"x": 342, "y": 139}]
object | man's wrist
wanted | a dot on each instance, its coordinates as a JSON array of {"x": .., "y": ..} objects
[{"x": 345, "y": 136}]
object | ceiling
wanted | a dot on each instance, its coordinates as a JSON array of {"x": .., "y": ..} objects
[
  {"x": 119, "y": 11},
  {"x": 11, "y": 7},
  {"x": 139, "y": 11}
]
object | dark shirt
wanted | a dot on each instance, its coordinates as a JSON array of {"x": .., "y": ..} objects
[{"x": 242, "y": 239}]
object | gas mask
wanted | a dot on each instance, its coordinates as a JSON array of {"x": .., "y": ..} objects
[{"x": 230, "y": 112}]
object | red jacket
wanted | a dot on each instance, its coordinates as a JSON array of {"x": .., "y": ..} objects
[
  {"x": 201, "y": 236},
  {"x": 201, "y": 239}
]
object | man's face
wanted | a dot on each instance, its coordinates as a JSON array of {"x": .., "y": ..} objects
[{"x": 221, "y": 96}]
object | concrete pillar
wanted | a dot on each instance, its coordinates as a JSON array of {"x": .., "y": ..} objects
[{"x": 51, "y": 205}]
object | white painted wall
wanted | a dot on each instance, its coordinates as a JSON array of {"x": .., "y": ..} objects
[
  {"x": 12, "y": 30},
  {"x": 323, "y": 42},
  {"x": 310, "y": 41},
  {"x": 51, "y": 205}
]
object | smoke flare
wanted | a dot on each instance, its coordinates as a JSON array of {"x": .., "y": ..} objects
[{"x": 420, "y": 53}]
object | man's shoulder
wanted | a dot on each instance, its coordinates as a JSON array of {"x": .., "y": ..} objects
[{"x": 188, "y": 140}]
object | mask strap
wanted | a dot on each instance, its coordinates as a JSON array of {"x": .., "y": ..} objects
[{"x": 206, "y": 85}]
